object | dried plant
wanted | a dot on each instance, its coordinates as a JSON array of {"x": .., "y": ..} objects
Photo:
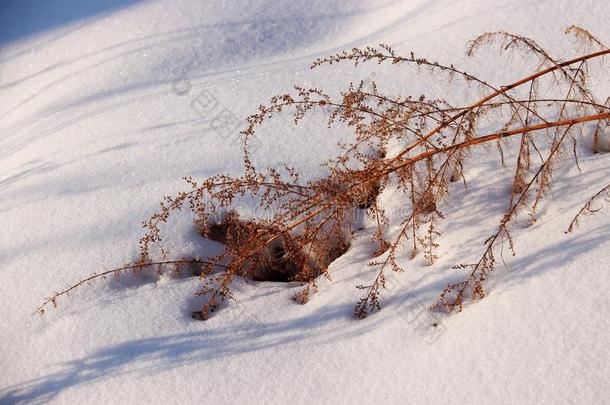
[{"x": 312, "y": 221}]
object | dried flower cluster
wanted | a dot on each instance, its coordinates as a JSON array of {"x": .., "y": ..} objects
[{"x": 543, "y": 114}]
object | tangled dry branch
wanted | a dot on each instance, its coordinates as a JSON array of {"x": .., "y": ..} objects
[{"x": 544, "y": 114}]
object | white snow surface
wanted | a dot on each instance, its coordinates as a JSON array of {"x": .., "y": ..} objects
[{"x": 99, "y": 119}]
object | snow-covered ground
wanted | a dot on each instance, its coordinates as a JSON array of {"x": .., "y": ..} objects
[{"x": 105, "y": 105}]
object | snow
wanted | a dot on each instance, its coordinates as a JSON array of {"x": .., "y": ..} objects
[{"x": 105, "y": 106}]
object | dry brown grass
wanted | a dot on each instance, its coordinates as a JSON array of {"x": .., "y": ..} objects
[{"x": 544, "y": 112}]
